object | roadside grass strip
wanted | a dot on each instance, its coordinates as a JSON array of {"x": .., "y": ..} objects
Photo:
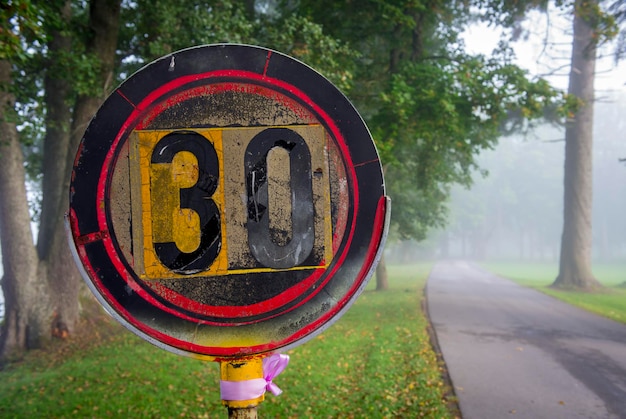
[
  {"x": 375, "y": 362},
  {"x": 609, "y": 302}
]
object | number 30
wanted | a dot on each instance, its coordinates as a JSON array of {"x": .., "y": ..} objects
[{"x": 197, "y": 186}]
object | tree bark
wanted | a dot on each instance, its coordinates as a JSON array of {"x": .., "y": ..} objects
[
  {"x": 382, "y": 277},
  {"x": 61, "y": 269},
  {"x": 57, "y": 96},
  {"x": 576, "y": 240},
  {"x": 25, "y": 323},
  {"x": 55, "y": 262},
  {"x": 104, "y": 20}
]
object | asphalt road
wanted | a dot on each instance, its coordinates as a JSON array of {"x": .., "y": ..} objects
[{"x": 514, "y": 352}]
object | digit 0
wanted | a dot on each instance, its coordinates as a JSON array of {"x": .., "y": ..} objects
[
  {"x": 263, "y": 245},
  {"x": 191, "y": 165}
]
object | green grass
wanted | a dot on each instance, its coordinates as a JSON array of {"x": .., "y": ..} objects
[
  {"x": 608, "y": 302},
  {"x": 375, "y": 362}
]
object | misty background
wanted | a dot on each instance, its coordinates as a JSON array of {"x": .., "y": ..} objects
[{"x": 514, "y": 210}]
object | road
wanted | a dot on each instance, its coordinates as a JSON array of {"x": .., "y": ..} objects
[{"x": 514, "y": 352}]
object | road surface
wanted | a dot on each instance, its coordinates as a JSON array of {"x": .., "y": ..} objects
[{"x": 514, "y": 352}]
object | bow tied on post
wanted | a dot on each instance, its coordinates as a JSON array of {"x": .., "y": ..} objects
[
  {"x": 251, "y": 389},
  {"x": 272, "y": 367}
]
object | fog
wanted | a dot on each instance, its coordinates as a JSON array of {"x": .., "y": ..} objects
[{"x": 516, "y": 211}]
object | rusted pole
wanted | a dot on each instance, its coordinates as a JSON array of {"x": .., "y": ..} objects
[{"x": 245, "y": 413}]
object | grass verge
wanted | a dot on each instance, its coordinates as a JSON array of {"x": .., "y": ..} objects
[
  {"x": 608, "y": 302},
  {"x": 375, "y": 362}
]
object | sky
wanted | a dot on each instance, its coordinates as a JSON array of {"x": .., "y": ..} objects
[{"x": 541, "y": 58}]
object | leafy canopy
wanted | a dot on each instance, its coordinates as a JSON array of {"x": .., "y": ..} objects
[{"x": 430, "y": 105}]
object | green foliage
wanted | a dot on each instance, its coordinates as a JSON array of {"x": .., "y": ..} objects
[
  {"x": 415, "y": 211},
  {"x": 604, "y": 23},
  {"x": 508, "y": 13},
  {"x": 189, "y": 23},
  {"x": 19, "y": 19},
  {"x": 303, "y": 39},
  {"x": 155, "y": 28},
  {"x": 376, "y": 361},
  {"x": 152, "y": 29},
  {"x": 438, "y": 116},
  {"x": 431, "y": 107}
]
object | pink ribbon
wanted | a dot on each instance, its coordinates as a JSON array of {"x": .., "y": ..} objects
[{"x": 251, "y": 389}]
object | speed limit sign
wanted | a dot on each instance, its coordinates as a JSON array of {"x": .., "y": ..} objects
[{"x": 227, "y": 200}]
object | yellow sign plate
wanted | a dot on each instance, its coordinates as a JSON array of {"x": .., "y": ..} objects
[{"x": 180, "y": 176}]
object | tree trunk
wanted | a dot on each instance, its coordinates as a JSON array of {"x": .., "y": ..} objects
[
  {"x": 382, "y": 277},
  {"x": 55, "y": 260},
  {"x": 104, "y": 23},
  {"x": 25, "y": 324},
  {"x": 61, "y": 269},
  {"x": 57, "y": 96},
  {"x": 576, "y": 241}
]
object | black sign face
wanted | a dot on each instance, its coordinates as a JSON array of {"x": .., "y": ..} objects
[{"x": 227, "y": 200}]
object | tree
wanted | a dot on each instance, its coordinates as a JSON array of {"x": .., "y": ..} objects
[
  {"x": 20, "y": 281},
  {"x": 431, "y": 107},
  {"x": 24, "y": 315},
  {"x": 41, "y": 283},
  {"x": 576, "y": 243}
]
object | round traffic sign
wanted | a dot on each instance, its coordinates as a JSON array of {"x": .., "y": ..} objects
[{"x": 227, "y": 200}]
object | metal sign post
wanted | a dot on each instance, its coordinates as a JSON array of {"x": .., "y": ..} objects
[
  {"x": 238, "y": 371},
  {"x": 227, "y": 203}
]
